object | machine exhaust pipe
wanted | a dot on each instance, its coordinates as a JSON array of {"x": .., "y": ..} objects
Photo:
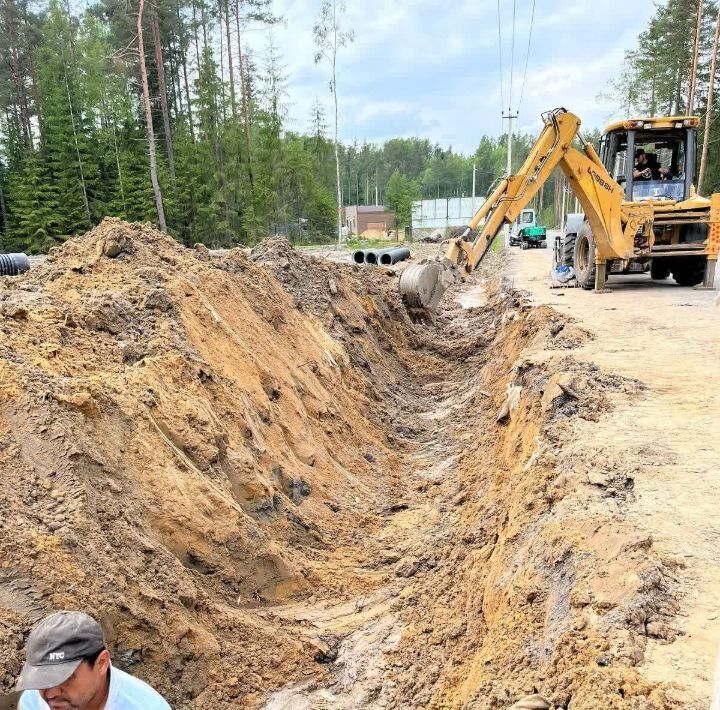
[
  {"x": 392, "y": 256},
  {"x": 13, "y": 264}
]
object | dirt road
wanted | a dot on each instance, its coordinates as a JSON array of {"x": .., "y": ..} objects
[{"x": 667, "y": 337}]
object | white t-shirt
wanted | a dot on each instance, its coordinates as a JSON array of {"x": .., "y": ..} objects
[{"x": 126, "y": 693}]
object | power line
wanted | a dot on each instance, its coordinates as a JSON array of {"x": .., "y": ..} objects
[
  {"x": 527, "y": 56},
  {"x": 512, "y": 58},
  {"x": 502, "y": 95}
]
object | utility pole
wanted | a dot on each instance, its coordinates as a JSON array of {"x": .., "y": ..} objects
[
  {"x": 709, "y": 108},
  {"x": 510, "y": 118},
  {"x": 473, "y": 192}
]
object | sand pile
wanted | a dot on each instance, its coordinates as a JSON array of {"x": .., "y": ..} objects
[{"x": 178, "y": 445}]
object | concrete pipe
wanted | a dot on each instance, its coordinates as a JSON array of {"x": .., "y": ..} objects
[
  {"x": 392, "y": 256},
  {"x": 13, "y": 264}
]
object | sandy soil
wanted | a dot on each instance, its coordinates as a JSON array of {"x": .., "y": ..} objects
[
  {"x": 667, "y": 337},
  {"x": 276, "y": 491}
]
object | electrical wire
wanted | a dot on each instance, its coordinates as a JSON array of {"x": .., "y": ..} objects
[
  {"x": 512, "y": 59},
  {"x": 527, "y": 56},
  {"x": 502, "y": 94}
]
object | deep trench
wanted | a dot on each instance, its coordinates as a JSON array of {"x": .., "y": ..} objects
[{"x": 372, "y": 513}]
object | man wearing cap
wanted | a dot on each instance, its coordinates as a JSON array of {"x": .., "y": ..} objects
[{"x": 67, "y": 667}]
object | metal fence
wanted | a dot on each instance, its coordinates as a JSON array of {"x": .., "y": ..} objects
[{"x": 444, "y": 213}]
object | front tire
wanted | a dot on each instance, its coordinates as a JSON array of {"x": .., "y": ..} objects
[
  {"x": 584, "y": 257},
  {"x": 660, "y": 269}
]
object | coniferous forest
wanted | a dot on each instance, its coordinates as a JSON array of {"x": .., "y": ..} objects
[{"x": 161, "y": 112}]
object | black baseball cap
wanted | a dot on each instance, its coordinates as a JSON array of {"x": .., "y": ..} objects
[{"x": 56, "y": 647}]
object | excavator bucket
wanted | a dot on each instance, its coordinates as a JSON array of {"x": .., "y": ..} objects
[{"x": 423, "y": 285}]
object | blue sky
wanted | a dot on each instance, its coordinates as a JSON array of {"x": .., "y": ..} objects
[{"x": 430, "y": 68}]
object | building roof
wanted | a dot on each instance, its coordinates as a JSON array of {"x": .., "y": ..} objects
[{"x": 370, "y": 208}]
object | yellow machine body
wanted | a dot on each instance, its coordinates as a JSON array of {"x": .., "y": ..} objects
[{"x": 621, "y": 231}]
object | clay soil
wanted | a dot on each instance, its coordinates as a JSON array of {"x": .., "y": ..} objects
[{"x": 275, "y": 490}]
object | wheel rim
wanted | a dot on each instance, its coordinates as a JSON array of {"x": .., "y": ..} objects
[{"x": 583, "y": 253}]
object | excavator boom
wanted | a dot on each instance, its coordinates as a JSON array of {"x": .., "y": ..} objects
[{"x": 601, "y": 197}]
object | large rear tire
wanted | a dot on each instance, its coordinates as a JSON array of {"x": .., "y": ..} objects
[
  {"x": 660, "y": 269},
  {"x": 584, "y": 257},
  {"x": 689, "y": 270}
]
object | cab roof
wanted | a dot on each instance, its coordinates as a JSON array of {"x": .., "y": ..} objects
[{"x": 657, "y": 122}]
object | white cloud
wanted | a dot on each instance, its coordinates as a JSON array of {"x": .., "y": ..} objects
[{"x": 431, "y": 68}]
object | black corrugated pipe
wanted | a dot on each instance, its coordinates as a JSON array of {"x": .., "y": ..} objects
[
  {"x": 13, "y": 264},
  {"x": 392, "y": 256}
]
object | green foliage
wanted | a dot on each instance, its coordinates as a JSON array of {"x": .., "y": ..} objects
[
  {"x": 400, "y": 193},
  {"x": 654, "y": 79},
  {"x": 88, "y": 156},
  {"x": 655, "y": 76}
]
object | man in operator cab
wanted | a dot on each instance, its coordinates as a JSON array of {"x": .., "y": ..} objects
[
  {"x": 656, "y": 170},
  {"x": 642, "y": 169}
]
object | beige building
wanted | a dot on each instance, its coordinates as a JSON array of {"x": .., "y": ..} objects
[{"x": 359, "y": 218}]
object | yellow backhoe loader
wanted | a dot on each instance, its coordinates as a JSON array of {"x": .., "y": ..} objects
[{"x": 638, "y": 208}]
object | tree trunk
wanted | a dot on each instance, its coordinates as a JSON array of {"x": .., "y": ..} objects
[
  {"x": 77, "y": 149},
  {"x": 184, "y": 46},
  {"x": 177, "y": 107},
  {"x": 694, "y": 62},
  {"x": 231, "y": 75},
  {"x": 197, "y": 37},
  {"x": 3, "y": 210},
  {"x": 119, "y": 169},
  {"x": 11, "y": 30},
  {"x": 160, "y": 68},
  {"x": 244, "y": 88},
  {"x": 709, "y": 108},
  {"x": 149, "y": 120},
  {"x": 187, "y": 101},
  {"x": 36, "y": 93},
  {"x": 222, "y": 63},
  {"x": 337, "y": 123},
  {"x": 204, "y": 26},
  {"x": 337, "y": 158}
]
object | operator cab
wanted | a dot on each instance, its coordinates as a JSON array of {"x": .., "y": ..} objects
[
  {"x": 525, "y": 219},
  {"x": 668, "y": 167}
]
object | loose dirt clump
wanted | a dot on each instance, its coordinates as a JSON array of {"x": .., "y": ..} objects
[
  {"x": 179, "y": 445},
  {"x": 274, "y": 490}
]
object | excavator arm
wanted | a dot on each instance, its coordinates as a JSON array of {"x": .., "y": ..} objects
[{"x": 422, "y": 285}]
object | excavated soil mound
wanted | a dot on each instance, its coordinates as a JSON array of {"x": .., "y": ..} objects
[
  {"x": 274, "y": 490},
  {"x": 179, "y": 444}
]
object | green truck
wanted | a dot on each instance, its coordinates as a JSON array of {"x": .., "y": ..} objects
[{"x": 526, "y": 233}]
